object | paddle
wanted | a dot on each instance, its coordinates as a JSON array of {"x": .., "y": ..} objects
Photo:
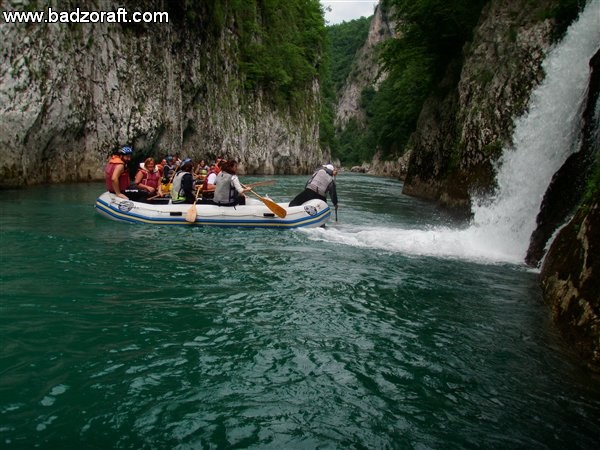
[
  {"x": 336, "y": 196},
  {"x": 278, "y": 210},
  {"x": 261, "y": 183},
  {"x": 191, "y": 214}
]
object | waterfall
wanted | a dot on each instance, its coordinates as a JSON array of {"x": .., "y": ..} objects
[{"x": 543, "y": 139}]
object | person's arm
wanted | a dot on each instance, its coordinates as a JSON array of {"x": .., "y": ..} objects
[
  {"x": 238, "y": 186},
  {"x": 333, "y": 193},
  {"x": 210, "y": 184},
  {"x": 115, "y": 181}
]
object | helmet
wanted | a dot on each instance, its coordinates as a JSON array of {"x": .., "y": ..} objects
[
  {"x": 186, "y": 164},
  {"x": 125, "y": 151}
]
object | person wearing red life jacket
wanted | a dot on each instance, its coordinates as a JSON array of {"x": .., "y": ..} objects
[
  {"x": 148, "y": 178},
  {"x": 116, "y": 173}
]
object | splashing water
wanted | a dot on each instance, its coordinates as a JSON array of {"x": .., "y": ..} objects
[{"x": 543, "y": 139}]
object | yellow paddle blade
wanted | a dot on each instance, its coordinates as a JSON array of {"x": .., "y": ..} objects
[
  {"x": 278, "y": 210},
  {"x": 191, "y": 214}
]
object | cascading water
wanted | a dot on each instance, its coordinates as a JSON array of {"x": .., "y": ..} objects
[{"x": 543, "y": 139}]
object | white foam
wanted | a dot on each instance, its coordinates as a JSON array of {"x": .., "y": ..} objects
[{"x": 469, "y": 244}]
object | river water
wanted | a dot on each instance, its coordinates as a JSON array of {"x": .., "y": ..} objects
[{"x": 375, "y": 332}]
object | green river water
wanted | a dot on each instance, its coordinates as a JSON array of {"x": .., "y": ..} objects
[{"x": 384, "y": 330}]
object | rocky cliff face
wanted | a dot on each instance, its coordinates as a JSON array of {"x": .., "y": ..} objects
[
  {"x": 366, "y": 69},
  {"x": 461, "y": 132},
  {"x": 70, "y": 93},
  {"x": 571, "y": 282}
]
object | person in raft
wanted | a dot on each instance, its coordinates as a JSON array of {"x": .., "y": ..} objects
[
  {"x": 228, "y": 189},
  {"x": 321, "y": 183},
  {"x": 116, "y": 173},
  {"x": 208, "y": 185},
  {"x": 182, "y": 190},
  {"x": 148, "y": 179}
]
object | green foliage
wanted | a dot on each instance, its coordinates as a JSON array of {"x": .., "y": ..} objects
[
  {"x": 430, "y": 38},
  {"x": 592, "y": 191},
  {"x": 563, "y": 13},
  {"x": 438, "y": 27},
  {"x": 345, "y": 39},
  {"x": 281, "y": 45},
  {"x": 431, "y": 34},
  {"x": 351, "y": 144},
  {"x": 281, "y": 42},
  {"x": 327, "y": 112},
  {"x": 342, "y": 42}
]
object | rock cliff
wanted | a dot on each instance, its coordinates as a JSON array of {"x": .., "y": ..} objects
[
  {"x": 462, "y": 128},
  {"x": 70, "y": 93},
  {"x": 366, "y": 69},
  {"x": 571, "y": 282}
]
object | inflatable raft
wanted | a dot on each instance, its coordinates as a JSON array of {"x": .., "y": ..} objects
[{"x": 255, "y": 214}]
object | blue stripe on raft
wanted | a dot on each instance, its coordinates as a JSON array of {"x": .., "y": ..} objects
[{"x": 106, "y": 209}]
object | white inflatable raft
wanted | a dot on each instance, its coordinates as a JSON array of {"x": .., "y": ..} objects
[{"x": 255, "y": 214}]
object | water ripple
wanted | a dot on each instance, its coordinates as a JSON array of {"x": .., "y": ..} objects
[{"x": 117, "y": 336}]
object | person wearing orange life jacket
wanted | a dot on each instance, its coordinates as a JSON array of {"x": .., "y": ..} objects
[{"x": 116, "y": 173}]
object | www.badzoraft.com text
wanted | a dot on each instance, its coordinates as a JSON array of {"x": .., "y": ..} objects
[{"x": 121, "y": 15}]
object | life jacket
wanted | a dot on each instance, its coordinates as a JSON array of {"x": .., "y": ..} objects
[
  {"x": 177, "y": 192},
  {"x": 167, "y": 169},
  {"x": 225, "y": 193},
  {"x": 150, "y": 179},
  {"x": 319, "y": 182},
  {"x": 124, "y": 181}
]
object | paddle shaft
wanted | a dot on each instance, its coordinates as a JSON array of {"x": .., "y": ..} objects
[{"x": 260, "y": 183}]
